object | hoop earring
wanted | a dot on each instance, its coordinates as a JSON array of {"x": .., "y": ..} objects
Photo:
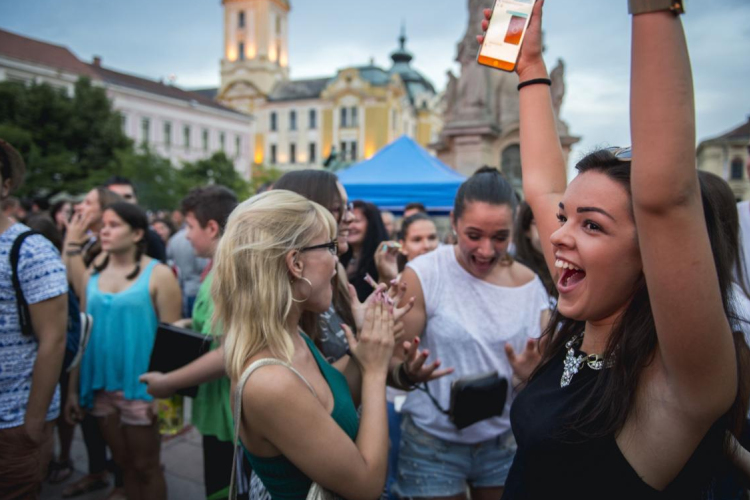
[{"x": 308, "y": 295}]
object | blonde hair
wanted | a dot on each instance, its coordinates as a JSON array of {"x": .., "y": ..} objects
[{"x": 251, "y": 287}]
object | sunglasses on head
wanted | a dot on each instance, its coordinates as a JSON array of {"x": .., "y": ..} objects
[{"x": 622, "y": 154}]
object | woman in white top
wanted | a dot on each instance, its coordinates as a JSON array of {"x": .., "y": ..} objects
[{"x": 472, "y": 303}]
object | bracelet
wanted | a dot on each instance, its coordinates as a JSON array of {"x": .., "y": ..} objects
[
  {"x": 545, "y": 81},
  {"x": 403, "y": 378},
  {"x": 71, "y": 253}
]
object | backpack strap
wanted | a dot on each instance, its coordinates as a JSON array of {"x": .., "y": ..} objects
[
  {"x": 24, "y": 316},
  {"x": 237, "y": 412}
]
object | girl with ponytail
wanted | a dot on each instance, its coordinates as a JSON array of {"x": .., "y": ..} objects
[{"x": 127, "y": 294}]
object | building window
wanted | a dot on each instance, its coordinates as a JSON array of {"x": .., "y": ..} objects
[
  {"x": 343, "y": 150},
  {"x": 145, "y": 130},
  {"x": 313, "y": 118},
  {"x": 353, "y": 151},
  {"x": 736, "y": 173},
  {"x": 343, "y": 119},
  {"x": 273, "y": 154},
  {"x": 205, "y": 140},
  {"x": 241, "y": 19},
  {"x": 186, "y": 136},
  {"x": 355, "y": 118},
  {"x": 237, "y": 145},
  {"x": 124, "y": 123},
  {"x": 292, "y": 120},
  {"x": 393, "y": 119},
  {"x": 241, "y": 51},
  {"x": 167, "y": 134},
  {"x": 312, "y": 154},
  {"x": 510, "y": 164},
  {"x": 278, "y": 25},
  {"x": 273, "y": 124},
  {"x": 222, "y": 141},
  {"x": 292, "y": 153}
]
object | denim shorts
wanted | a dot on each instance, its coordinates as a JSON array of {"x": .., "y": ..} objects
[{"x": 431, "y": 467}]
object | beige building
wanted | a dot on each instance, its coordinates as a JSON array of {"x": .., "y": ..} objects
[
  {"x": 301, "y": 123},
  {"x": 726, "y": 156}
]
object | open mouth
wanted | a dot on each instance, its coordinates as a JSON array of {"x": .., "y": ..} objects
[
  {"x": 483, "y": 264},
  {"x": 570, "y": 276}
]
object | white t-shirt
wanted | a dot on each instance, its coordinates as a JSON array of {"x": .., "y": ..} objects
[{"x": 469, "y": 321}]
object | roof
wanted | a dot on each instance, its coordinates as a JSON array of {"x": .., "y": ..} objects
[
  {"x": 295, "y": 90},
  {"x": 153, "y": 87},
  {"x": 374, "y": 75},
  {"x": 210, "y": 93},
  {"x": 741, "y": 133},
  {"x": 45, "y": 54},
  {"x": 414, "y": 81},
  {"x": 400, "y": 173}
]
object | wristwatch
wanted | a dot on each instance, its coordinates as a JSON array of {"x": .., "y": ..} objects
[{"x": 644, "y": 6}]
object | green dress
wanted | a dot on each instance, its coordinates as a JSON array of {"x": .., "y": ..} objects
[
  {"x": 212, "y": 413},
  {"x": 282, "y": 479}
]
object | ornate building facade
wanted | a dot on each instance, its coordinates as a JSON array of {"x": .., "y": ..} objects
[
  {"x": 481, "y": 110},
  {"x": 727, "y": 156},
  {"x": 303, "y": 123}
]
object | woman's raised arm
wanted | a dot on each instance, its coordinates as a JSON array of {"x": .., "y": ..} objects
[{"x": 695, "y": 341}]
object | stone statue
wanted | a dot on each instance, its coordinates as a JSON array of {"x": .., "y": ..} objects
[
  {"x": 474, "y": 83},
  {"x": 558, "y": 86},
  {"x": 451, "y": 93}
]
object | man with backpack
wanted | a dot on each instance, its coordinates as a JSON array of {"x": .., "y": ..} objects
[{"x": 30, "y": 358}]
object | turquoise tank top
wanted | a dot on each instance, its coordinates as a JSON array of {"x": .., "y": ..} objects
[
  {"x": 282, "y": 479},
  {"x": 122, "y": 338}
]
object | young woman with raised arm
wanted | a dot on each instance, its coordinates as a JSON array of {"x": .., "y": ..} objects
[{"x": 639, "y": 379}]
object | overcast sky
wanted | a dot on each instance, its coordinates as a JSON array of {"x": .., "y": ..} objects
[{"x": 158, "y": 38}]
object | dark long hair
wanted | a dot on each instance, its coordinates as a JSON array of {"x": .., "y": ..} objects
[
  {"x": 321, "y": 187},
  {"x": 374, "y": 236},
  {"x": 526, "y": 254},
  {"x": 136, "y": 218},
  {"x": 634, "y": 340}
]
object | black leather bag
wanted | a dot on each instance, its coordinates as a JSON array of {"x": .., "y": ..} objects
[{"x": 474, "y": 398}]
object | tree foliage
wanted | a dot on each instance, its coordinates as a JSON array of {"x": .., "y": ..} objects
[
  {"x": 73, "y": 143},
  {"x": 68, "y": 143}
]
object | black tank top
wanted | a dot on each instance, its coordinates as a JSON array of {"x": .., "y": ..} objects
[{"x": 552, "y": 462}]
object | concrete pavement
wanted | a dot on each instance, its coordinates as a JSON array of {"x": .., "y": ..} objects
[{"x": 181, "y": 456}]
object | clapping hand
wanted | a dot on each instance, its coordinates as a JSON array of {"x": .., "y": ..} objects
[
  {"x": 373, "y": 349},
  {"x": 395, "y": 295},
  {"x": 386, "y": 260}
]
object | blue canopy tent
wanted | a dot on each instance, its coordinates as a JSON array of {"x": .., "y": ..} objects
[{"x": 401, "y": 173}]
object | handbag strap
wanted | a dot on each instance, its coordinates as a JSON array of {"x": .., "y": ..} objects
[
  {"x": 237, "y": 412},
  {"x": 426, "y": 389}
]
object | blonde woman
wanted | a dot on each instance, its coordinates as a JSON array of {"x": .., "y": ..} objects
[{"x": 276, "y": 261}]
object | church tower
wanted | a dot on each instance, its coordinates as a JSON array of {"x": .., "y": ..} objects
[{"x": 256, "y": 50}]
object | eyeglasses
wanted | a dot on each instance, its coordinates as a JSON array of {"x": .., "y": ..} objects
[
  {"x": 622, "y": 154},
  {"x": 332, "y": 246},
  {"x": 349, "y": 207}
]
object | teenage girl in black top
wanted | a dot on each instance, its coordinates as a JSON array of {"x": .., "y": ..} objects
[{"x": 639, "y": 374}]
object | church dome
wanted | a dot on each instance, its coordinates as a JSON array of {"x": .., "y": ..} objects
[{"x": 414, "y": 81}]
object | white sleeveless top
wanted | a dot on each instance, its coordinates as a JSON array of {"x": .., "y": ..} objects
[{"x": 469, "y": 321}]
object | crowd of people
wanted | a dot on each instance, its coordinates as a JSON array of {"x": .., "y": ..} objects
[{"x": 576, "y": 339}]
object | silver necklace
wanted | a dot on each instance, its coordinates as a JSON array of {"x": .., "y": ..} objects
[{"x": 573, "y": 363}]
